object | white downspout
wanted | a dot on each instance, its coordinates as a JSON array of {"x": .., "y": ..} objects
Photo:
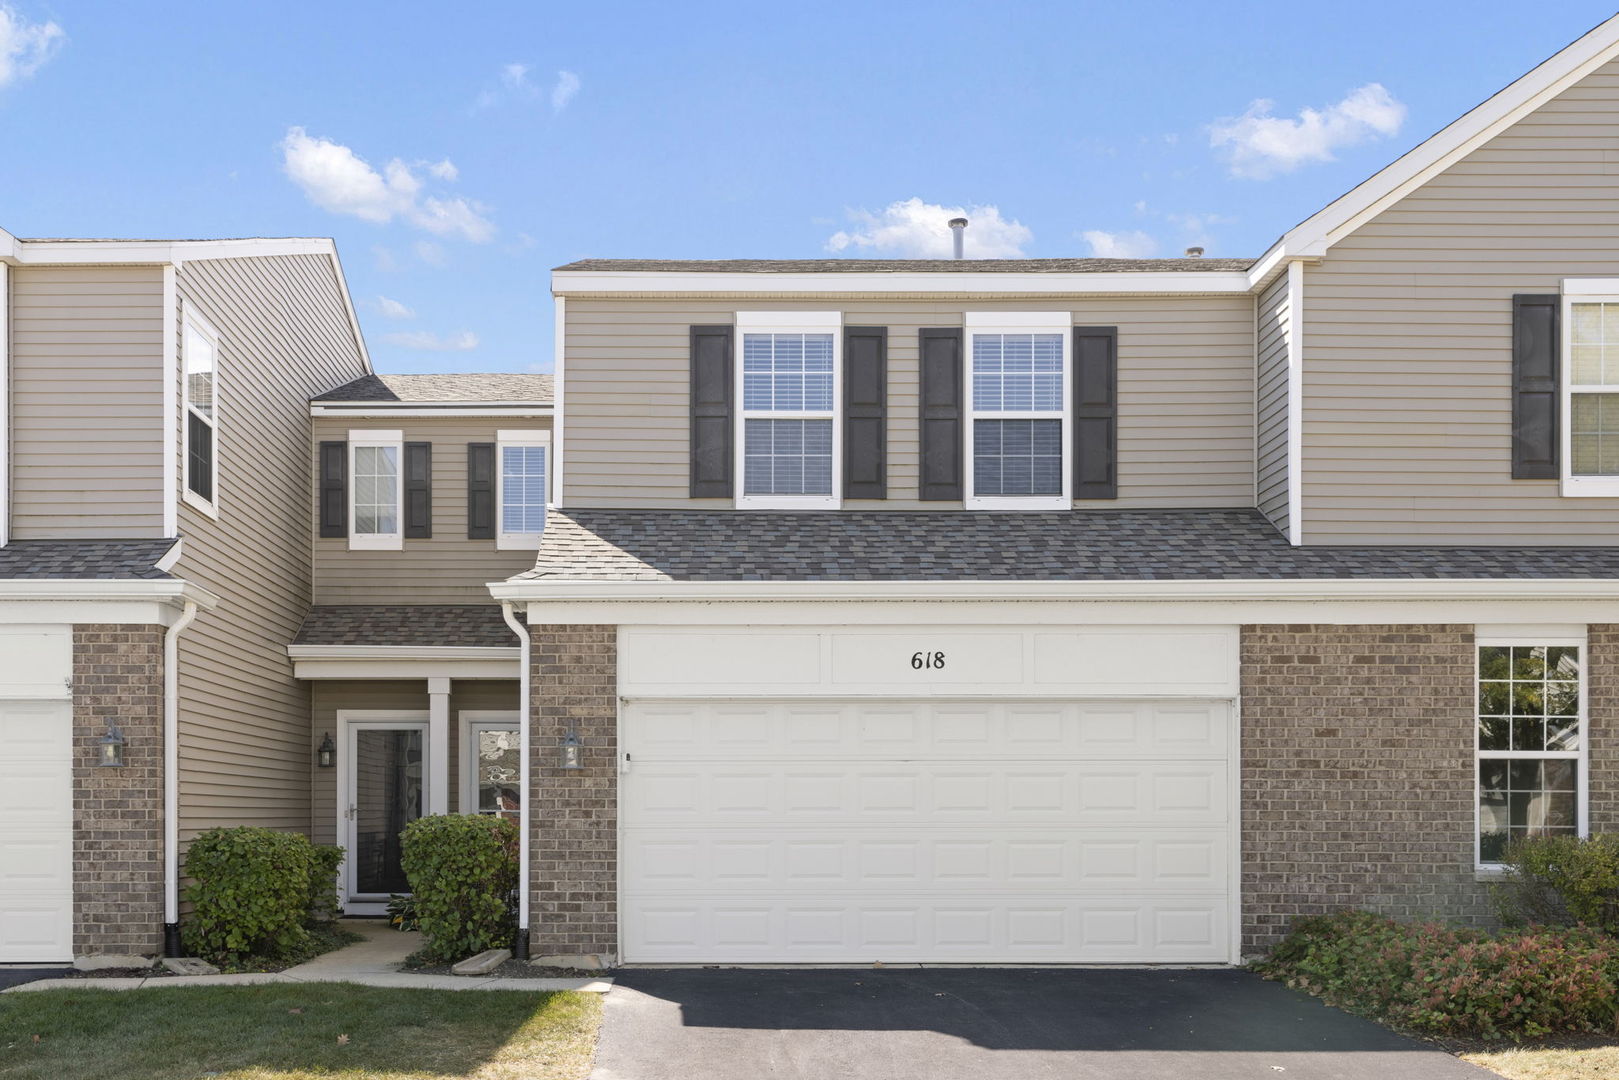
[
  {"x": 171, "y": 780},
  {"x": 524, "y": 769}
]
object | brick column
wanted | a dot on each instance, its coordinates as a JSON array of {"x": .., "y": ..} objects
[
  {"x": 1602, "y": 711},
  {"x": 574, "y": 815},
  {"x": 118, "y": 813},
  {"x": 1357, "y": 774}
]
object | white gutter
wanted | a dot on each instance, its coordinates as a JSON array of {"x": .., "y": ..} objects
[
  {"x": 545, "y": 589},
  {"x": 524, "y": 769},
  {"x": 401, "y": 652},
  {"x": 416, "y": 409},
  {"x": 171, "y": 780},
  {"x": 161, "y": 590}
]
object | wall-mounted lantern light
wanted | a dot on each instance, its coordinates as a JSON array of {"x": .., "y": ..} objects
[
  {"x": 570, "y": 750},
  {"x": 112, "y": 747},
  {"x": 326, "y": 753}
]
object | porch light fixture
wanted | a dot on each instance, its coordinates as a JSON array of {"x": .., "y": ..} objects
[
  {"x": 112, "y": 748},
  {"x": 326, "y": 753},
  {"x": 570, "y": 750}
]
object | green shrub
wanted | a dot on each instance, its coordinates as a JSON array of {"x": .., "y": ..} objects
[
  {"x": 1442, "y": 980},
  {"x": 402, "y": 912},
  {"x": 249, "y": 894},
  {"x": 462, "y": 868},
  {"x": 1561, "y": 880},
  {"x": 323, "y": 863}
]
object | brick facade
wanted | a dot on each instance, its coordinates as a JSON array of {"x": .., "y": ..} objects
[
  {"x": 118, "y": 813},
  {"x": 1602, "y": 710},
  {"x": 575, "y": 811}
]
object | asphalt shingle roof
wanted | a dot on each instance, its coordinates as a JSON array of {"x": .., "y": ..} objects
[
  {"x": 437, "y": 389},
  {"x": 923, "y": 266},
  {"x": 462, "y": 625},
  {"x": 110, "y": 560},
  {"x": 1086, "y": 545}
]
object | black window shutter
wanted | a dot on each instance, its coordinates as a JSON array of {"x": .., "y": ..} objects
[
  {"x": 418, "y": 490},
  {"x": 1535, "y": 371},
  {"x": 865, "y": 412},
  {"x": 480, "y": 491},
  {"x": 712, "y": 394},
  {"x": 1096, "y": 412},
  {"x": 199, "y": 456},
  {"x": 942, "y": 474},
  {"x": 334, "y": 489}
]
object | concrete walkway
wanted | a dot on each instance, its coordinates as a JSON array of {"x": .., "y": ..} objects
[{"x": 375, "y": 961}]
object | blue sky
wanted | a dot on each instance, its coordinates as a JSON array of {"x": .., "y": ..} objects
[{"x": 457, "y": 153}]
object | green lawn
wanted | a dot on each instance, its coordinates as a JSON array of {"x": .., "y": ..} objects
[{"x": 329, "y": 1031}]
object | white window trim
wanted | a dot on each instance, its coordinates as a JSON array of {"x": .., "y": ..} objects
[
  {"x": 788, "y": 322},
  {"x": 1579, "y": 291},
  {"x": 1019, "y": 322},
  {"x": 1530, "y": 637},
  {"x": 191, "y": 319},
  {"x": 394, "y": 541},
  {"x": 505, "y": 541},
  {"x": 473, "y": 721}
]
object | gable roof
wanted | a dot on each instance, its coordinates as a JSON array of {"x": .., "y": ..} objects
[
  {"x": 908, "y": 266},
  {"x": 1313, "y": 236},
  {"x": 484, "y": 388},
  {"x": 80, "y": 560}
]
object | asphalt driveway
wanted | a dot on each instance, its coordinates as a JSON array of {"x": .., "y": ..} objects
[
  {"x": 992, "y": 1024},
  {"x": 16, "y": 976}
]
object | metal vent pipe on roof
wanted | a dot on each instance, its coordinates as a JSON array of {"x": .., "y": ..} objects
[
  {"x": 1194, "y": 253},
  {"x": 958, "y": 226}
]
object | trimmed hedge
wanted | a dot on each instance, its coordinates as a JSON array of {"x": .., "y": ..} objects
[
  {"x": 1442, "y": 980},
  {"x": 250, "y": 893},
  {"x": 462, "y": 870},
  {"x": 323, "y": 905},
  {"x": 1559, "y": 881}
]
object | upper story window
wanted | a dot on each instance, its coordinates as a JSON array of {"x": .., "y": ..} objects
[
  {"x": 1592, "y": 407},
  {"x": 200, "y": 353},
  {"x": 522, "y": 494},
  {"x": 1531, "y": 741},
  {"x": 375, "y": 489},
  {"x": 1017, "y": 430},
  {"x": 789, "y": 446}
]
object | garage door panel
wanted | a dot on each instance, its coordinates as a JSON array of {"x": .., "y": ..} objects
[
  {"x": 669, "y": 862},
  {"x": 36, "y": 825},
  {"x": 970, "y": 832},
  {"x": 968, "y": 730},
  {"x": 846, "y": 930}
]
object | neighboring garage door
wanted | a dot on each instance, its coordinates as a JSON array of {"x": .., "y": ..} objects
[
  {"x": 938, "y": 831},
  {"x": 36, "y": 797}
]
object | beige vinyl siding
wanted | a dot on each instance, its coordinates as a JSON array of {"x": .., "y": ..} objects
[
  {"x": 1271, "y": 406},
  {"x": 244, "y": 720},
  {"x": 87, "y": 393},
  {"x": 1186, "y": 421},
  {"x": 1407, "y": 408},
  {"x": 444, "y": 569},
  {"x": 328, "y": 697}
]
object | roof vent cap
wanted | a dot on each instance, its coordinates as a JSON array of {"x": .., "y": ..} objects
[
  {"x": 1194, "y": 253},
  {"x": 958, "y": 226}
]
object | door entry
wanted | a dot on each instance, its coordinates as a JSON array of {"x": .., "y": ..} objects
[{"x": 386, "y": 776}]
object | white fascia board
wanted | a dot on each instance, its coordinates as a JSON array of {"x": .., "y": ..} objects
[
  {"x": 149, "y": 252},
  {"x": 401, "y": 652},
  {"x": 1313, "y": 237},
  {"x": 1179, "y": 282},
  {"x": 163, "y": 590},
  {"x": 388, "y": 668},
  {"x": 8, "y": 245},
  {"x": 1332, "y": 589},
  {"x": 375, "y": 409}
]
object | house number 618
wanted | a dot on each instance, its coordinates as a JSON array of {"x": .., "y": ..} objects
[{"x": 927, "y": 660}]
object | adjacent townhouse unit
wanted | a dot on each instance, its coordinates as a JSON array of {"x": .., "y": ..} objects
[{"x": 823, "y": 611}]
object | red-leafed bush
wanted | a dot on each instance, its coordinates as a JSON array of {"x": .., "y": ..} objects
[{"x": 1447, "y": 981}]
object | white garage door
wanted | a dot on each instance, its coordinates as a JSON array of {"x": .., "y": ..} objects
[
  {"x": 36, "y": 795},
  {"x": 927, "y": 832}
]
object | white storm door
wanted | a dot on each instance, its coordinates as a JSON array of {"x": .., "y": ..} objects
[{"x": 384, "y": 789}]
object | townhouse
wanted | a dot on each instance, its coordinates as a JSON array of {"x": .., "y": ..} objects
[{"x": 1030, "y": 611}]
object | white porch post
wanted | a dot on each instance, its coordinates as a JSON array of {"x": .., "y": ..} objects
[{"x": 438, "y": 746}]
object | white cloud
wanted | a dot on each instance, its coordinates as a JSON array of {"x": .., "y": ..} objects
[
  {"x": 1258, "y": 145},
  {"x": 445, "y": 170},
  {"x": 914, "y": 229},
  {"x": 335, "y": 178},
  {"x": 427, "y": 341},
  {"x": 430, "y": 253},
  {"x": 25, "y": 47},
  {"x": 393, "y": 309},
  {"x": 1120, "y": 245},
  {"x": 515, "y": 77},
  {"x": 566, "y": 87}
]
